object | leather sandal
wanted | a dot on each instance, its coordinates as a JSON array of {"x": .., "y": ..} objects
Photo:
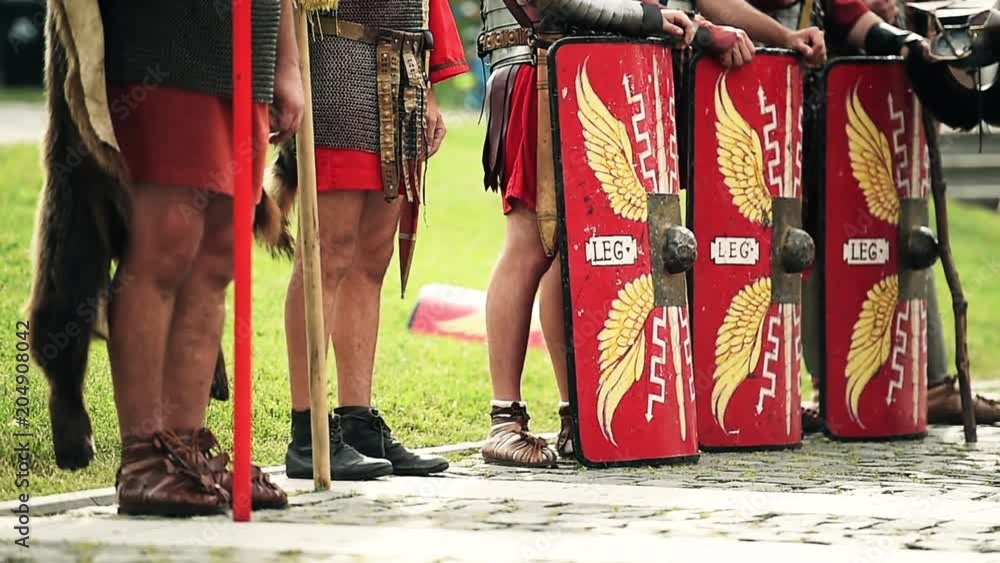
[
  {"x": 511, "y": 442},
  {"x": 161, "y": 475},
  {"x": 264, "y": 494},
  {"x": 944, "y": 405}
]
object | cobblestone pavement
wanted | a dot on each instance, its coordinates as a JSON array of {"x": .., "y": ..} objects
[{"x": 934, "y": 500}]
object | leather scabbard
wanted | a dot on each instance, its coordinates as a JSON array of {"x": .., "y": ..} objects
[{"x": 545, "y": 199}]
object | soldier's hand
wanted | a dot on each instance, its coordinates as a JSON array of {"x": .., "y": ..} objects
[
  {"x": 435, "y": 125},
  {"x": 289, "y": 101},
  {"x": 810, "y": 43},
  {"x": 740, "y": 50},
  {"x": 888, "y": 10},
  {"x": 677, "y": 24}
]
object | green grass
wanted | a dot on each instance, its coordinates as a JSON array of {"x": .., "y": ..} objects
[
  {"x": 433, "y": 390},
  {"x": 30, "y": 94}
]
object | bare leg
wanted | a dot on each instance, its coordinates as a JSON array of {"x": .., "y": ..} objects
[
  {"x": 509, "y": 301},
  {"x": 551, "y": 305},
  {"x": 163, "y": 242},
  {"x": 199, "y": 315},
  {"x": 508, "y": 322},
  {"x": 340, "y": 215},
  {"x": 339, "y": 220},
  {"x": 355, "y": 324}
]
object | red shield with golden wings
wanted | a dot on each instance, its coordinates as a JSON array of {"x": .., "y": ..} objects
[
  {"x": 623, "y": 251},
  {"x": 876, "y": 248},
  {"x": 745, "y": 206}
]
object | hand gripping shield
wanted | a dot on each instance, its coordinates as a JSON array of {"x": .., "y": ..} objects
[
  {"x": 876, "y": 248},
  {"x": 623, "y": 251},
  {"x": 746, "y": 207}
]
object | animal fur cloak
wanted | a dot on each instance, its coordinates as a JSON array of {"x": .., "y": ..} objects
[{"x": 82, "y": 223}]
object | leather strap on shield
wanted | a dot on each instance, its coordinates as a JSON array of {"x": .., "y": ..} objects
[{"x": 545, "y": 199}]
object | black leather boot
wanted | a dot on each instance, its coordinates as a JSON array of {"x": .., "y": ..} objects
[
  {"x": 346, "y": 464},
  {"x": 367, "y": 432}
]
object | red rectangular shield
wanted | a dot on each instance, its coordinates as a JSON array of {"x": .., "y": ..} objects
[
  {"x": 745, "y": 172},
  {"x": 626, "y": 316},
  {"x": 874, "y": 199}
]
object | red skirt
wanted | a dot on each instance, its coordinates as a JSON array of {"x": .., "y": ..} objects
[
  {"x": 176, "y": 137},
  {"x": 347, "y": 169},
  {"x": 350, "y": 169},
  {"x": 515, "y": 142}
]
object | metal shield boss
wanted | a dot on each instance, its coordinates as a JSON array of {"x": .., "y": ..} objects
[
  {"x": 623, "y": 251},
  {"x": 746, "y": 207},
  {"x": 876, "y": 248}
]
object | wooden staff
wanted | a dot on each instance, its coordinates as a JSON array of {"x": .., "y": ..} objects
[
  {"x": 311, "y": 271},
  {"x": 958, "y": 303}
]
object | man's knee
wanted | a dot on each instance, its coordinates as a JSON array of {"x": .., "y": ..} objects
[
  {"x": 528, "y": 257},
  {"x": 336, "y": 258},
  {"x": 165, "y": 245},
  {"x": 215, "y": 258},
  {"x": 372, "y": 262}
]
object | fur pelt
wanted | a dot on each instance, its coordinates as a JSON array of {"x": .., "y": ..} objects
[
  {"x": 283, "y": 183},
  {"x": 81, "y": 230}
]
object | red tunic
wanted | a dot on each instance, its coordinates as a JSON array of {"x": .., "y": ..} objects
[
  {"x": 176, "y": 137},
  {"x": 349, "y": 169},
  {"x": 520, "y": 146}
]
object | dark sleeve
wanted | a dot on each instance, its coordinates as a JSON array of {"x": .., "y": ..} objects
[
  {"x": 840, "y": 18},
  {"x": 624, "y": 16}
]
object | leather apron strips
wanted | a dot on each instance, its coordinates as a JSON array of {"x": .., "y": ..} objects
[
  {"x": 498, "y": 94},
  {"x": 402, "y": 85}
]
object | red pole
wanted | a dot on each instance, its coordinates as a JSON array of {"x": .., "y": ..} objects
[{"x": 243, "y": 226}]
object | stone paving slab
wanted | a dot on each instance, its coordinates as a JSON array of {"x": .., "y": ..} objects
[
  {"x": 138, "y": 540},
  {"x": 940, "y": 466},
  {"x": 931, "y": 500}
]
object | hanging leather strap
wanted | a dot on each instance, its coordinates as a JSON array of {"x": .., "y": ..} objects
[
  {"x": 545, "y": 180},
  {"x": 519, "y": 14}
]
